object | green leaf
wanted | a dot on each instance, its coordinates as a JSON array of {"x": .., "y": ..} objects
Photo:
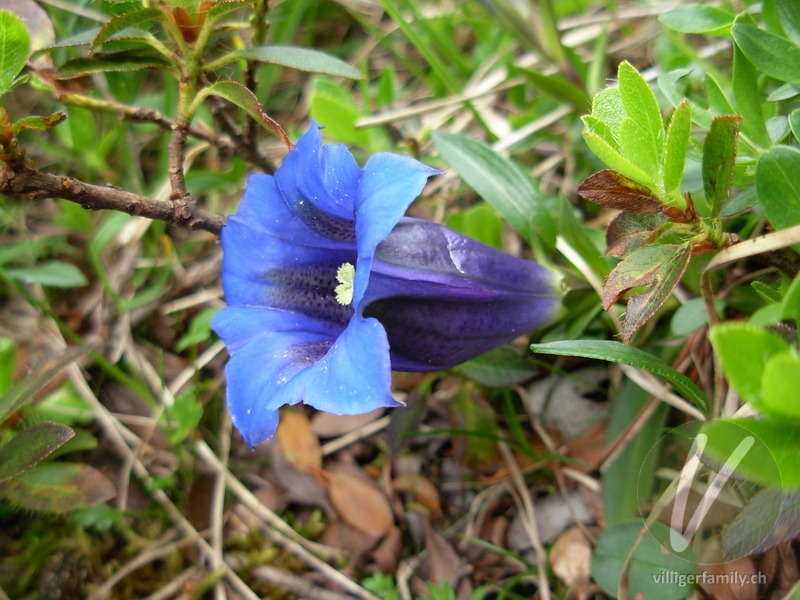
[
  {"x": 56, "y": 273},
  {"x": 630, "y": 231},
  {"x": 698, "y": 18},
  {"x": 126, "y": 60},
  {"x": 779, "y": 384},
  {"x": 743, "y": 351},
  {"x": 770, "y": 53},
  {"x": 220, "y": 9},
  {"x": 472, "y": 414},
  {"x": 657, "y": 266},
  {"x": 627, "y": 355},
  {"x": 303, "y": 59},
  {"x": 15, "y": 45},
  {"x": 499, "y": 182},
  {"x": 650, "y": 561},
  {"x": 622, "y": 493},
  {"x": 779, "y": 186},
  {"x": 8, "y": 362},
  {"x": 691, "y": 316},
  {"x": 791, "y": 301},
  {"x": 780, "y": 438},
  {"x": 607, "y": 107},
  {"x": 719, "y": 160},
  {"x": 717, "y": 98},
  {"x": 499, "y": 368},
  {"x": 641, "y": 134},
  {"x": 794, "y": 123},
  {"x": 558, "y": 87},
  {"x": 128, "y": 19},
  {"x": 789, "y": 14},
  {"x": 58, "y": 487},
  {"x": 239, "y": 95},
  {"x": 38, "y": 123},
  {"x": 617, "y": 161},
  {"x": 747, "y": 95},
  {"x": 30, "y": 447},
  {"x": 480, "y": 222},
  {"x": 334, "y": 107},
  {"x": 676, "y": 144}
]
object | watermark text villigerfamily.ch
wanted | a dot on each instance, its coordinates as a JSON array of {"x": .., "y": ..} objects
[{"x": 706, "y": 578}]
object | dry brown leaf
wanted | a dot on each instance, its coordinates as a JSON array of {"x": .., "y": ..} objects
[
  {"x": 387, "y": 554},
  {"x": 443, "y": 564},
  {"x": 327, "y": 425},
  {"x": 570, "y": 556},
  {"x": 298, "y": 443},
  {"x": 734, "y": 580},
  {"x": 422, "y": 489},
  {"x": 360, "y": 503}
]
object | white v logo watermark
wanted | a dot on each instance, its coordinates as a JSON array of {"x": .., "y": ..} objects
[{"x": 680, "y": 538}]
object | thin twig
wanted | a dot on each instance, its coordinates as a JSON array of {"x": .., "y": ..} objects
[
  {"x": 37, "y": 184},
  {"x": 177, "y": 179},
  {"x": 302, "y": 588},
  {"x": 218, "y": 504},
  {"x": 528, "y": 520}
]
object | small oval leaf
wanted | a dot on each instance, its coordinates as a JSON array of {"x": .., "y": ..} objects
[{"x": 303, "y": 59}]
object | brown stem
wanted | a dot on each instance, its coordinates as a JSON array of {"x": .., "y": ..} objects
[
  {"x": 36, "y": 184},
  {"x": 177, "y": 181}
]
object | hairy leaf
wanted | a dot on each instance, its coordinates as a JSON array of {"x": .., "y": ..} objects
[
  {"x": 58, "y": 487},
  {"x": 127, "y": 60},
  {"x": 614, "y": 159},
  {"x": 31, "y": 446},
  {"x": 675, "y": 146},
  {"x": 128, "y": 19},
  {"x": 613, "y": 190},
  {"x": 641, "y": 133},
  {"x": 246, "y": 100},
  {"x": 631, "y": 231},
  {"x": 757, "y": 523},
  {"x": 719, "y": 158},
  {"x": 220, "y": 9},
  {"x": 304, "y": 59},
  {"x": 22, "y": 391},
  {"x": 38, "y": 123},
  {"x": 659, "y": 267}
]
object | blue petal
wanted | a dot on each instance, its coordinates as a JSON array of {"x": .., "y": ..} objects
[
  {"x": 238, "y": 325},
  {"x": 389, "y": 185},
  {"x": 262, "y": 270},
  {"x": 302, "y": 180},
  {"x": 262, "y": 376},
  {"x": 355, "y": 376}
]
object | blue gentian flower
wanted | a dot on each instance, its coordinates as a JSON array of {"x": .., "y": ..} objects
[{"x": 329, "y": 288}]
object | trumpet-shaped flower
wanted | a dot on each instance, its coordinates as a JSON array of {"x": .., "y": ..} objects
[{"x": 329, "y": 287}]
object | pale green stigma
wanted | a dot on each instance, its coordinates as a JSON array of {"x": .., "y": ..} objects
[{"x": 344, "y": 291}]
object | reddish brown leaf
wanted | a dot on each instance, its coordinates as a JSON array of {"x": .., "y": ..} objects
[
  {"x": 612, "y": 190},
  {"x": 630, "y": 231},
  {"x": 443, "y": 564},
  {"x": 360, "y": 503},
  {"x": 657, "y": 266}
]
